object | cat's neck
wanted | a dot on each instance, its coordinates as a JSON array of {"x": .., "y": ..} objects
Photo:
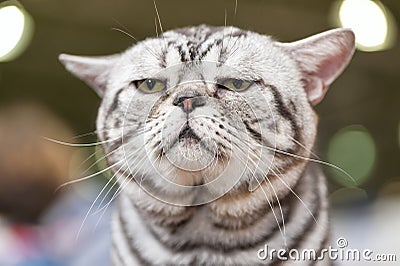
[{"x": 234, "y": 211}]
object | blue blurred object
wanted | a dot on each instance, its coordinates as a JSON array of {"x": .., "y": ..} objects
[{"x": 55, "y": 241}]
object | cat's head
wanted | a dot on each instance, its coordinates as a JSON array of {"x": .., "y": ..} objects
[{"x": 200, "y": 110}]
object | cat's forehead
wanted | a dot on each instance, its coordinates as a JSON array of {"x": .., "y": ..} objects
[
  {"x": 226, "y": 45},
  {"x": 199, "y": 34}
]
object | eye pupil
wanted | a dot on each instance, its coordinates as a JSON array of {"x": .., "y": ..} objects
[
  {"x": 237, "y": 83},
  {"x": 150, "y": 83}
]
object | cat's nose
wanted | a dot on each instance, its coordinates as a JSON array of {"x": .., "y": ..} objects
[{"x": 189, "y": 101}]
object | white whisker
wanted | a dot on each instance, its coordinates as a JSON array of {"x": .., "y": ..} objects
[
  {"x": 294, "y": 193},
  {"x": 89, "y": 176},
  {"x": 283, "y": 232},
  {"x": 81, "y": 144}
]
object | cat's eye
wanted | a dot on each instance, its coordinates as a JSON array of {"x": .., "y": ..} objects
[
  {"x": 150, "y": 85},
  {"x": 236, "y": 84}
]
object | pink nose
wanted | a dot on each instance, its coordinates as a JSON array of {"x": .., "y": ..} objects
[
  {"x": 189, "y": 101},
  {"x": 188, "y": 105}
]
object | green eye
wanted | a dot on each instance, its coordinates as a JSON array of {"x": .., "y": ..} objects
[
  {"x": 236, "y": 84},
  {"x": 150, "y": 85}
]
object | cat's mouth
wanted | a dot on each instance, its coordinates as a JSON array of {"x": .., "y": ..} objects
[{"x": 187, "y": 134}]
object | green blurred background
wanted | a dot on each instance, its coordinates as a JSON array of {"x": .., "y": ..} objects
[{"x": 359, "y": 119}]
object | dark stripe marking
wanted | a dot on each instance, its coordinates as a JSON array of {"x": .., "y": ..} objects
[{"x": 130, "y": 241}]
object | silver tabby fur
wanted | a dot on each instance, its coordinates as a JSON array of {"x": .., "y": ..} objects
[{"x": 260, "y": 138}]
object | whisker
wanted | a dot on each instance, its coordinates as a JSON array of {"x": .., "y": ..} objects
[
  {"x": 98, "y": 131},
  {"x": 141, "y": 164},
  {"x": 283, "y": 232},
  {"x": 158, "y": 16},
  {"x": 225, "y": 19},
  {"x": 81, "y": 144},
  {"x": 91, "y": 207},
  {"x": 236, "y": 4},
  {"x": 312, "y": 160},
  {"x": 90, "y": 157},
  {"x": 102, "y": 158},
  {"x": 161, "y": 27},
  {"x": 94, "y": 202},
  {"x": 223, "y": 34},
  {"x": 105, "y": 209},
  {"x": 126, "y": 180},
  {"x": 304, "y": 147},
  {"x": 130, "y": 156},
  {"x": 122, "y": 186},
  {"x": 87, "y": 177},
  {"x": 155, "y": 24},
  {"x": 294, "y": 193},
  {"x": 84, "y": 135},
  {"x": 110, "y": 189},
  {"x": 296, "y": 156},
  {"x": 131, "y": 36}
]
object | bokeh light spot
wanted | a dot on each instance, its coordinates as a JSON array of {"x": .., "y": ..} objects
[
  {"x": 15, "y": 30},
  {"x": 353, "y": 150},
  {"x": 371, "y": 22}
]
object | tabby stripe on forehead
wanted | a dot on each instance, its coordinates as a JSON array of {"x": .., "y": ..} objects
[
  {"x": 182, "y": 53},
  {"x": 192, "y": 50},
  {"x": 163, "y": 58},
  {"x": 207, "y": 50},
  {"x": 238, "y": 33}
]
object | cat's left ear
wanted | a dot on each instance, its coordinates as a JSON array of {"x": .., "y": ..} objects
[
  {"x": 322, "y": 58},
  {"x": 93, "y": 70}
]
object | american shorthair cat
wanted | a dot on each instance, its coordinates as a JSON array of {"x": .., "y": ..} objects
[{"x": 209, "y": 132}]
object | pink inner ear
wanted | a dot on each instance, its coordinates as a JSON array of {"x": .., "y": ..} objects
[
  {"x": 317, "y": 83},
  {"x": 332, "y": 66},
  {"x": 321, "y": 59},
  {"x": 315, "y": 89}
]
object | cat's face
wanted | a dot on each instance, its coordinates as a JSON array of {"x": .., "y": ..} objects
[{"x": 201, "y": 110}]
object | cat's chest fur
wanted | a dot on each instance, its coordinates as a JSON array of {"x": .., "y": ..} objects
[
  {"x": 209, "y": 131},
  {"x": 231, "y": 231}
]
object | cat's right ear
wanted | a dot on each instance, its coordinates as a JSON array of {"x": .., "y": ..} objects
[
  {"x": 93, "y": 70},
  {"x": 322, "y": 58}
]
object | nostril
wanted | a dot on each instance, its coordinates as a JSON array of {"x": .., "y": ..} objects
[
  {"x": 199, "y": 101},
  {"x": 189, "y": 101},
  {"x": 179, "y": 99},
  {"x": 183, "y": 96}
]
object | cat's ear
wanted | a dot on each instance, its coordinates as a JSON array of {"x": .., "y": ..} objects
[
  {"x": 93, "y": 70},
  {"x": 322, "y": 58}
]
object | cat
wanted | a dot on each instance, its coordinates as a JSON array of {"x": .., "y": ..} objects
[{"x": 209, "y": 131}]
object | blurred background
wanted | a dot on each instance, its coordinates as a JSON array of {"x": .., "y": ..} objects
[{"x": 359, "y": 126}]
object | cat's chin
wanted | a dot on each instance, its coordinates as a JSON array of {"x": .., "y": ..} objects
[{"x": 191, "y": 154}]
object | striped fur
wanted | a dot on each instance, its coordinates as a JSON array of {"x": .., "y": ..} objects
[
  {"x": 213, "y": 185},
  {"x": 219, "y": 234}
]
